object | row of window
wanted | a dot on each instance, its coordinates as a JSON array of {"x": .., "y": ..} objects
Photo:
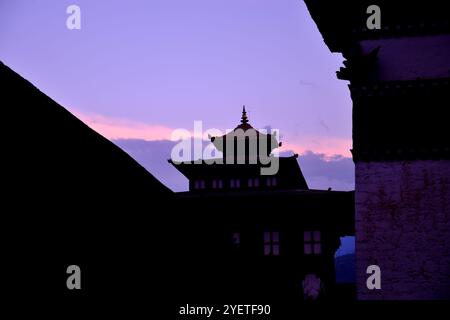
[
  {"x": 311, "y": 242},
  {"x": 235, "y": 183}
]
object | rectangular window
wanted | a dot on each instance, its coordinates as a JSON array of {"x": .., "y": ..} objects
[
  {"x": 235, "y": 183},
  {"x": 236, "y": 238},
  {"x": 199, "y": 184},
  {"x": 274, "y": 181},
  {"x": 271, "y": 181},
  {"x": 217, "y": 184},
  {"x": 272, "y": 243},
  {"x": 312, "y": 242}
]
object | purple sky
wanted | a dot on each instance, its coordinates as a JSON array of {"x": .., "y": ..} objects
[{"x": 139, "y": 69}]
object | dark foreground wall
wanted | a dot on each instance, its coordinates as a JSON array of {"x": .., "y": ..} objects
[
  {"x": 399, "y": 78},
  {"x": 403, "y": 225},
  {"x": 70, "y": 196}
]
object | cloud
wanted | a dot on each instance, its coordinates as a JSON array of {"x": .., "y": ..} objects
[
  {"x": 153, "y": 156},
  {"x": 116, "y": 128},
  {"x": 321, "y": 172},
  {"x": 328, "y": 165},
  {"x": 329, "y": 147}
]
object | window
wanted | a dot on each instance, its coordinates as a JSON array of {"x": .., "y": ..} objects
[
  {"x": 236, "y": 238},
  {"x": 199, "y": 184},
  {"x": 217, "y": 184},
  {"x": 274, "y": 181},
  {"x": 271, "y": 243},
  {"x": 312, "y": 242},
  {"x": 253, "y": 182},
  {"x": 235, "y": 183},
  {"x": 271, "y": 181}
]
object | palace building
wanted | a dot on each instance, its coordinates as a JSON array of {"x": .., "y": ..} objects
[
  {"x": 266, "y": 235},
  {"x": 399, "y": 81},
  {"x": 249, "y": 153}
]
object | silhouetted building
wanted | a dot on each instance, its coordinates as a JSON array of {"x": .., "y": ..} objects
[
  {"x": 73, "y": 197},
  {"x": 400, "y": 86},
  {"x": 70, "y": 196},
  {"x": 249, "y": 152},
  {"x": 271, "y": 233}
]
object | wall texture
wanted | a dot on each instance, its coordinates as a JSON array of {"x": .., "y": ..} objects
[
  {"x": 403, "y": 225},
  {"x": 410, "y": 58}
]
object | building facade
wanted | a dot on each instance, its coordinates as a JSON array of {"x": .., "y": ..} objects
[
  {"x": 271, "y": 235},
  {"x": 399, "y": 82}
]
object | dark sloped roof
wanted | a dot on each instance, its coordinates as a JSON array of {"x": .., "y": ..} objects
[
  {"x": 40, "y": 131},
  {"x": 242, "y": 131},
  {"x": 288, "y": 169},
  {"x": 70, "y": 196}
]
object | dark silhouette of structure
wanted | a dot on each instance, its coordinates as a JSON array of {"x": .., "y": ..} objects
[
  {"x": 73, "y": 197},
  {"x": 399, "y": 82},
  {"x": 70, "y": 196},
  {"x": 244, "y": 159},
  {"x": 270, "y": 231}
]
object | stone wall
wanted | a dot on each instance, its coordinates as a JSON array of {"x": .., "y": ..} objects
[{"x": 403, "y": 226}]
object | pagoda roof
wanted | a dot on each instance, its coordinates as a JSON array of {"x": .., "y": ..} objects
[
  {"x": 288, "y": 166},
  {"x": 240, "y": 133}
]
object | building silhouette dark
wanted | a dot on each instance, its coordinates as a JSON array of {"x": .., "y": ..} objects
[
  {"x": 73, "y": 197},
  {"x": 399, "y": 81},
  {"x": 244, "y": 163},
  {"x": 70, "y": 196},
  {"x": 270, "y": 231}
]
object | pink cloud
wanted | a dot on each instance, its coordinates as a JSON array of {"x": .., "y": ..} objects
[
  {"x": 328, "y": 146},
  {"x": 117, "y": 128}
]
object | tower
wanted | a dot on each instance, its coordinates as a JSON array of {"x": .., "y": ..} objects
[
  {"x": 271, "y": 236},
  {"x": 399, "y": 82},
  {"x": 246, "y": 153}
]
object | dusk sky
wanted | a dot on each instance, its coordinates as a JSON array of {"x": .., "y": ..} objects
[{"x": 140, "y": 69}]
